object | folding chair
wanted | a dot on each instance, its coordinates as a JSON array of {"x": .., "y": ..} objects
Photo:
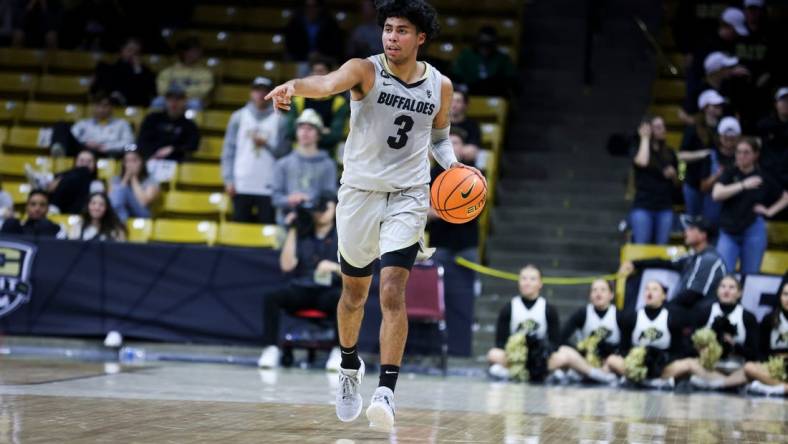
[{"x": 424, "y": 300}]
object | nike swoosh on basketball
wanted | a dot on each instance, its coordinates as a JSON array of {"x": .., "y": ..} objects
[{"x": 468, "y": 193}]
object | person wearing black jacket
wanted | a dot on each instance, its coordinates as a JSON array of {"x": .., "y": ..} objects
[
  {"x": 657, "y": 327},
  {"x": 127, "y": 76},
  {"x": 737, "y": 333},
  {"x": 529, "y": 313},
  {"x": 599, "y": 317},
  {"x": 774, "y": 345},
  {"x": 169, "y": 134},
  {"x": 701, "y": 270},
  {"x": 36, "y": 223},
  {"x": 313, "y": 30}
]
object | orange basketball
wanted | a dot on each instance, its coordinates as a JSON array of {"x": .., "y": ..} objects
[{"x": 458, "y": 195}]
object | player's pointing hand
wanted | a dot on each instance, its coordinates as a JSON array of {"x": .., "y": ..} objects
[
  {"x": 468, "y": 167},
  {"x": 281, "y": 95}
]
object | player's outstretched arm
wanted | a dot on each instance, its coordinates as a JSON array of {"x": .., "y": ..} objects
[{"x": 355, "y": 74}]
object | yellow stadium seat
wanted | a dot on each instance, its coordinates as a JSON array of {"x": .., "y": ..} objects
[
  {"x": 139, "y": 230},
  {"x": 249, "y": 235},
  {"x": 217, "y": 15},
  {"x": 446, "y": 51},
  {"x": 214, "y": 120},
  {"x": 29, "y": 139},
  {"x": 670, "y": 113},
  {"x": 454, "y": 27},
  {"x": 508, "y": 29},
  {"x": 266, "y": 18},
  {"x": 491, "y": 135},
  {"x": 66, "y": 221},
  {"x": 669, "y": 90},
  {"x": 211, "y": 41},
  {"x": 199, "y": 175},
  {"x": 3, "y": 135},
  {"x": 231, "y": 95},
  {"x": 347, "y": 20},
  {"x": 245, "y": 70},
  {"x": 43, "y": 112},
  {"x": 210, "y": 148},
  {"x": 633, "y": 252},
  {"x": 157, "y": 62},
  {"x": 75, "y": 87},
  {"x": 107, "y": 168},
  {"x": 488, "y": 109},
  {"x": 195, "y": 203},
  {"x": 258, "y": 43},
  {"x": 82, "y": 62},
  {"x": 19, "y": 85},
  {"x": 775, "y": 262},
  {"x": 13, "y": 165},
  {"x": 777, "y": 233},
  {"x": 31, "y": 60},
  {"x": 17, "y": 190},
  {"x": 183, "y": 231},
  {"x": 133, "y": 114},
  {"x": 673, "y": 139},
  {"x": 11, "y": 110}
]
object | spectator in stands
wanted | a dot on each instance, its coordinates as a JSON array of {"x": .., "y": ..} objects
[
  {"x": 701, "y": 269},
  {"x": 6, "y": 205},
  {"x": 774, "y": 347},
  {"x": 719, "y": 161},
  {"x": 103, "y": 133},
  {"x": 365, "y": 39},
  {"x": 127, "y": 77},
  {"x": 36, "y": 223},
  {"x": 459, "y": 118},
  {"x": 530, "y": 314},
  {"x": 307, "y": 172},
  {"x": 656, "y": 176},
  {"x": 313, "y": 30},
  {"x": 485, "y": 68},
  {"x": 659, "y": 329},
  {"x": 745, "y": 191},
  {"x": 333, "y": 110},
  {"x": 309, "y": 256},
  {"x": 133, "y": 191},
  {"x": 98, "y": 221},
  {"x": 698, "y": 141},
  {"x": 773, "y": 131},
  {"x": 736, "y": 331},
  {"x": 453, "y": 239},
  {"x": 733, "y": 80},
  {"x": 695, "y": 21},
  {"x": 188, "y": 74},
  {"x": 69, "y": 190},
  {"x": 255, "y": 137},
  {"x": 32, "y": 19},
  {"x": 598, "y": 321},
  {"x": 169, "y": 134},
  {"x": 759, "y": 51}
]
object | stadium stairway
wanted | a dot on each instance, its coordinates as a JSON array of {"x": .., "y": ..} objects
[{"x": 561, "y": 195}]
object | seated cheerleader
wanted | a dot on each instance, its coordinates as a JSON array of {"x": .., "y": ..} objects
[
  {"x": 597, "y": 328},
  {"x": 651, "y": 339},
  {"x": 771, "y": 377},
  {"x": 525, "y": 330},
  {"x": 726, "y": 336}
]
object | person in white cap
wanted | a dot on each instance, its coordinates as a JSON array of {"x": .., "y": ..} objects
[
  {"x": 698, "y": 141},
  {"x": 255, "y": 137},
  {"x": 749, "y": 195},
  {"x": 773, "y": 131},
  {"x": 734, "y": 17},
  {"x": 719, "y": 161}
]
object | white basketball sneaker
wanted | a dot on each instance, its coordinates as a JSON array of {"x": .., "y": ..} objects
[
  {"x": 380, "y": 412},
  {"x": 349, "y": 402},
  {"x": 269, "y": 358}
]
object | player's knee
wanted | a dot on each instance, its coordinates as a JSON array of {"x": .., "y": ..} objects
[
  {"x": 750, "y": 369},
  {"x": 392, "y": 301},
  {"x": 496, "y": 356},
  {"x": 353, "y": 295}
]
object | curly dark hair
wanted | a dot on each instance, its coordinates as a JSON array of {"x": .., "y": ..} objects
[{"x": 418, "y": 12}]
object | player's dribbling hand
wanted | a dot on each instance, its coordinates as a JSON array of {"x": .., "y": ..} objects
[
  {"x": 281, "y": 95},
  {"x": 475, "y": 170}
]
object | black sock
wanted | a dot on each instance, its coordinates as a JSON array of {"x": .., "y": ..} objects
[
  {"x": 388, "y": 376},
  {"x": 350, "y": 358}
]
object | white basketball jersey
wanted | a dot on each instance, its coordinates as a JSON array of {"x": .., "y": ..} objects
[
  {"x": 778, "y": 340},
  {"x": 608, "y": 322},
  {"x": 390, "y": 131},
  {"x": 652, "y": 333},
  {"x": 735, "y": 317},
  {"x": 533, "y": 321}
]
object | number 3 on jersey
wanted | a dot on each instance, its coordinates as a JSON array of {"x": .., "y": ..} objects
[{"x": 405, "y": 124}]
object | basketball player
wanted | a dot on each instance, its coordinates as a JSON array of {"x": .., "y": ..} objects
[{"x": 399, "y": 109}]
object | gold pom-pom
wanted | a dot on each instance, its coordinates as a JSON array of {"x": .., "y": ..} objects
[
  {"x": 634, "y": 369},
  {"x": 709, "y": 349},
  {"x": 776, "y": 368},
  {"x": 589, "y": 346},
  {"x": 516, "y": 356}
]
